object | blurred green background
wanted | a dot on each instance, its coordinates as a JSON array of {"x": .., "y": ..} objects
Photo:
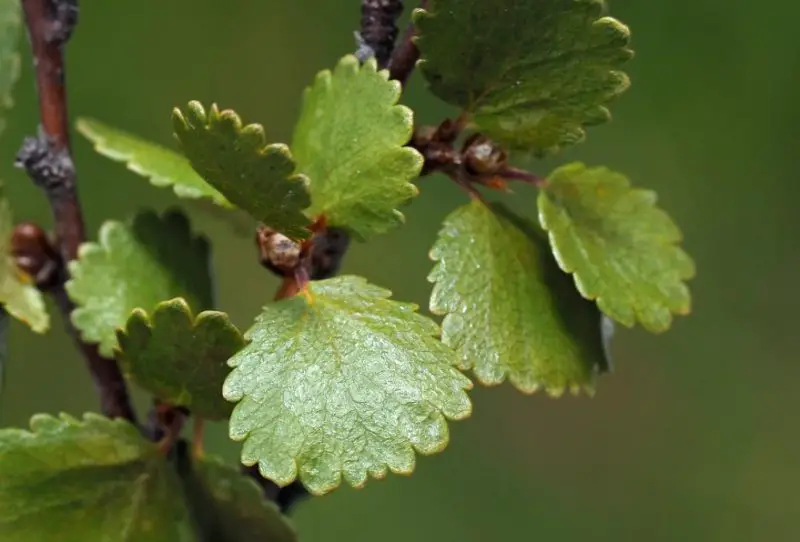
[{"x": 690, "y": 439}]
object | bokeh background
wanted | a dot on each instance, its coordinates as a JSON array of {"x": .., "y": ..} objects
[{"x": 695, "y": 436}]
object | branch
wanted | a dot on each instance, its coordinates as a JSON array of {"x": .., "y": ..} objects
[
  {"x": 379, "y": 29},
  {"x": 405, "y": 57},
  {"x": 48, "y": 161}
]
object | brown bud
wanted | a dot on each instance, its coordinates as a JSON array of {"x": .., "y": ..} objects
[
  {"x": 277, "y": 251},
  {"x": 33, "y": 252},
  {"x": 482, "y": 156},
  {"x": 423, "y": 136}
]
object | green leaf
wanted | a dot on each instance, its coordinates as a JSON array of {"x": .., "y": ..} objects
[
  {"x": 229, "y": 507},
  {"x": 510, "y": 311},
  {"x": 17, "y": 293},
  {"x": 237, "y": 161},
  {"x": 162, "y": 166},
  {"x": 10, "y": 29},
  {"x": 349, "y": 141},
  {"x": 341, "y": 381},
  {"x": 137, "y": 265},
  {"x": 532, "y": 74},
  {"x": 90, "y": 479},
  {"x": 180, "y": 358},
  {"x": 621, "y": 248}
]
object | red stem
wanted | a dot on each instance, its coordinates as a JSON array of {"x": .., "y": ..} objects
[
  {"x": 405, "y": 56},
  {"x": 49, "y": 163}
]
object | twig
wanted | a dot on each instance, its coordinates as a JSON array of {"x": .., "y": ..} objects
[
  {"x": 50, "y": 24},
  {"x": 405, "y": 56},
  {"x": 516, "y": 174},
  {"x": 48, "y": 161},
  {"x": 379, "y": 28}
]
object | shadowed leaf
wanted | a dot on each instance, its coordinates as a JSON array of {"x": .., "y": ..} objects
[
  {"x": 236, "y": 160},
  {"x": 137, "y": 265},
  {"x": 532, "y": 74},
  {"x": 181, "y": 358},
  {"x": 91, "y": 479},
  {"x": 510, "y": 311}
]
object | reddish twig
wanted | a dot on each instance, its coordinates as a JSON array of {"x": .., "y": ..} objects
[
  {"x": 50, "y": 24},
  {"x": 516, "y": 174},
  {"x": 48, "y": 161},
  {"x": 405, "y": 56}
]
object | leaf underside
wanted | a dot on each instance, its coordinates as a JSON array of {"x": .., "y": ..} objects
[
  {"x": 349, "y": 142},
  {"x": 92, "y": 479},
  {"x": 622, "y": 250},
  {"x": 532, "y": 75},
  {"x": 162, "y": 166},
  {"x": 510, "y": 312},
  {"x": 181, "y": 358},
  {"x": 236, "y": 159},
  {"x": 137, "y": 265},
  {"x": 341, "y": 381}
]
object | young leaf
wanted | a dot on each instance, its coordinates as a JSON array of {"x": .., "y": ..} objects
[
  {"x": 179, "y": 357},
  {"x": 162, "y": 166},
  {"x": 531, "y": 74},
  {"x": 237, "y": 161},
  {"x": 229, "y": 507},
  {"x": 10, "y": 24},
  {"x": 17, "y": 293},
  {"x": 349, "y": 141},
  {"x": 89, "y": 479},
  {"x": 137, "y": 266},
  {"x": 622, "y": 249},
  {"x": 341, "y": 381},
  {"x": 510, "y": 311}
]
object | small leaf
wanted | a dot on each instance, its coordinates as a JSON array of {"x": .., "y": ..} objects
[
  {"x": 622, "y": 249},
  {"x": 532, "y": 74},
  {"x": 237, "y": 161},
  {"x": 89, "y": 479},
  {"x": 137, "y": 266},
  {"x": 341, "y": 381},
  {"x": 162, "y": 166},
  {"x": 10, "y": 29},
  {"x": 180, "y": 358},
  {"x": 510, "y": 311},
  {"x": 230, "y": 507},
  {"x": 17, "y": 293},
  {"x": 349, "y": 141}
]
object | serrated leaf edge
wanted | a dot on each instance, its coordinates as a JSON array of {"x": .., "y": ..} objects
[
  {"x": 555, "y": 392},
  {"x": 45, "y": 423},
  {"x": 623, "y": 84},
  {"x": 103, "y": 247},
  {"x": 100, "y": 145},
  {"x": 147, "y": 319},
  {"x": 351, "y": 66},
  {"x": 196, "y": 116},
  {"x": 581, "y": 286}
]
